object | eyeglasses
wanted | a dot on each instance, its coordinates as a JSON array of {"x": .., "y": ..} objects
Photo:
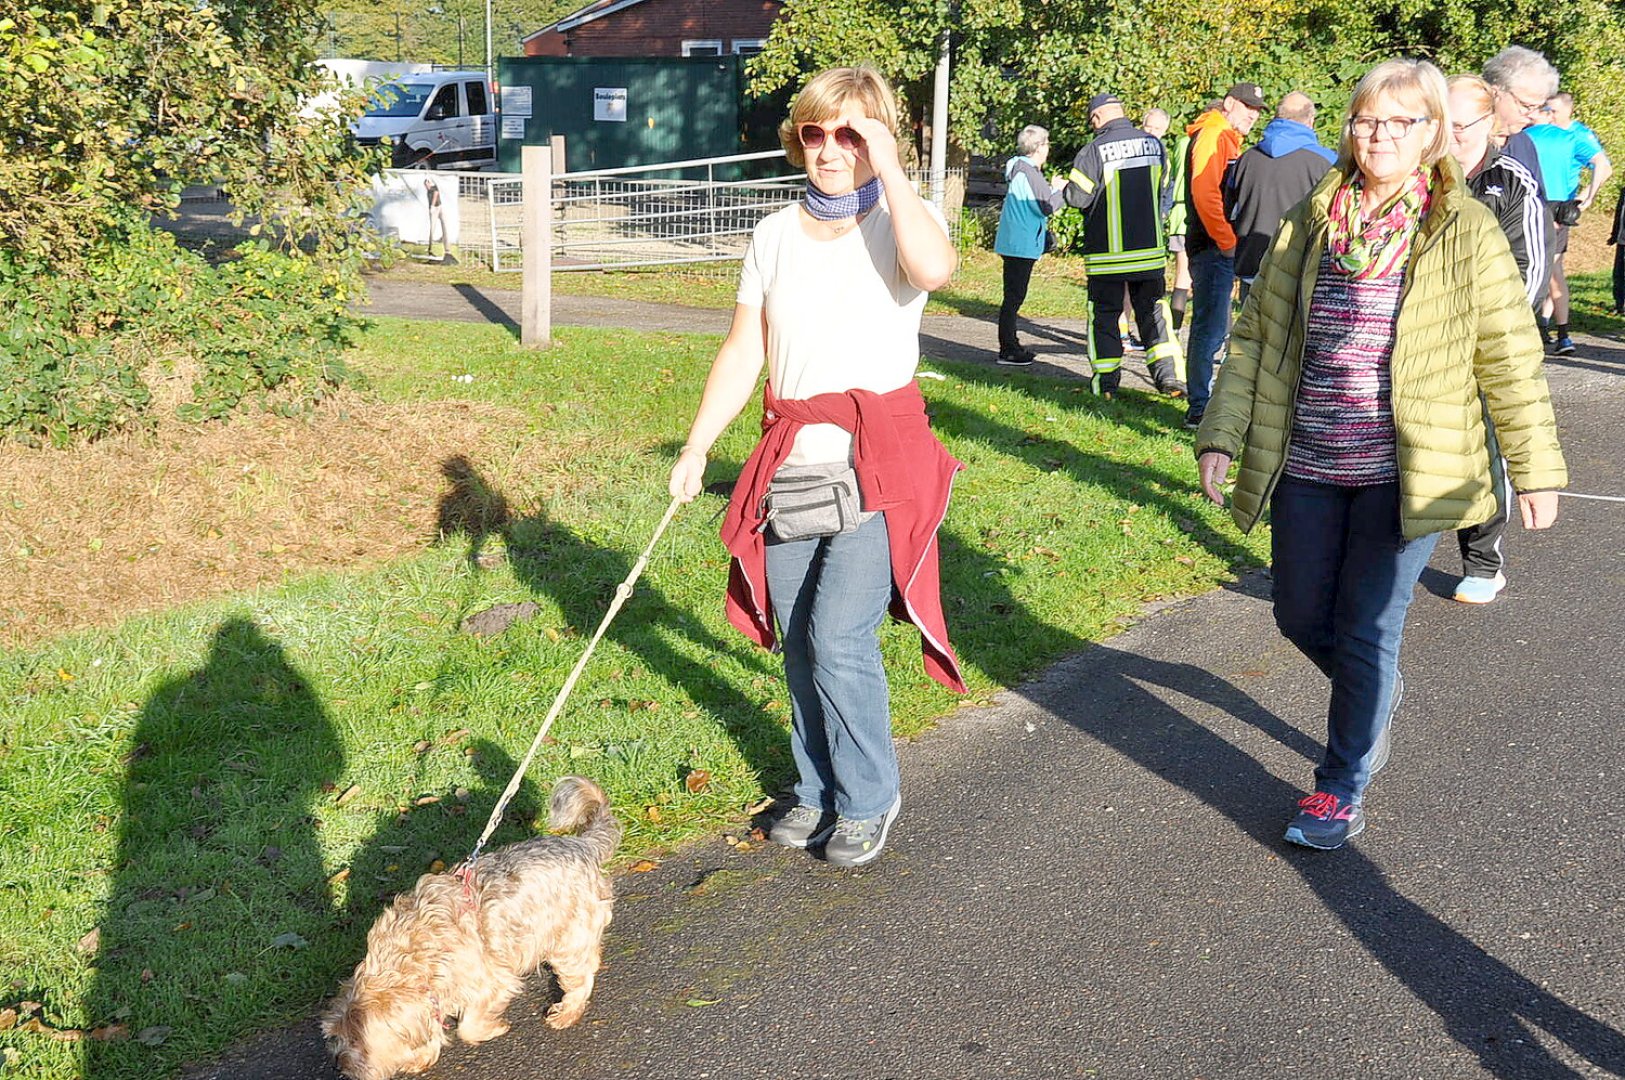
[
  {"x": 812, "y": 137},
  {"x": 1525, "y": 106},
  {"x": 1397, "y": 127},
  {"x": 1461, "y": 129}
]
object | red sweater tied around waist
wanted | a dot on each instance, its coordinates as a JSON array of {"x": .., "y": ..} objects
[{"x": 902, "y": 469}]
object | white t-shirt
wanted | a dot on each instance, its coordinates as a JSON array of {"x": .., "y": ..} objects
[{"x": 841, "y": 315}]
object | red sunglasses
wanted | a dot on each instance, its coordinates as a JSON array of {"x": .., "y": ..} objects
[{"x": 812, "y": 137}]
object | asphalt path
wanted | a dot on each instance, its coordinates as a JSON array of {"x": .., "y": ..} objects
[{"x": 1088, "y": 880}]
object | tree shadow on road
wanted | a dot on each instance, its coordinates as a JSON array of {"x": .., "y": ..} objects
[{"x": 1487, "y": 1007}]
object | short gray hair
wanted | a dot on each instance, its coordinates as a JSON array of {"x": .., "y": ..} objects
[
  {"x": 1297, "y": 106},
  {"x": 1031, "y": 140},
  {"x": 1155, "y": 111},
  {"x": 1516, "y": 62}
]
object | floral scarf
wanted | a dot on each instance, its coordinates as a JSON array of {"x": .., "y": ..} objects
[{"x": 1375, "y": 249}]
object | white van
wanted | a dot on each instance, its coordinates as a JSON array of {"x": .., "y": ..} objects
[{"x": 434, "y": 120}]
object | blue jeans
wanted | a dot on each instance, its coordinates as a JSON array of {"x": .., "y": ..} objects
[
  {"x": 1344, "y": 578},
  {"x": 1213, "y": 276},
  {"x": 830, "y": 595}
]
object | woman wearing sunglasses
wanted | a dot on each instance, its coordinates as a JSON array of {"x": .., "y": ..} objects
[
  {"x": 835, "y": 514},
  {"x": 1388, "y": 305}
]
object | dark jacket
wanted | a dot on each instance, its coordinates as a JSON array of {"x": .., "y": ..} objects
[
  {"x": 902, "y": 469},
  {"x": 1269, "y": 180},
  {"x": 1504, "y": 185},
  {"x": 1117, "y": 182}
]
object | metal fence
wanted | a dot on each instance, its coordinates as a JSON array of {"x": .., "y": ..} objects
[{"x": 611, "y": 219}]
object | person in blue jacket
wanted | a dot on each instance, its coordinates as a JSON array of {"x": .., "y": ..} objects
[
  {"x": 1271, "y": 179},
  {"x": 1029, "y": 200}
]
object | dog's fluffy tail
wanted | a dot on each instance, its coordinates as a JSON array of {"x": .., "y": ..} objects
[{"x": 579, "y": 806}]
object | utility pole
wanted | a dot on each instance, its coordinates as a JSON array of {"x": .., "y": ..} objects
[
  {"x": 939, "y": 124},
  {"x": 460, "y": 43},
  {"x": 397, "y": 37},
  {"x": 490, "y": 68}
]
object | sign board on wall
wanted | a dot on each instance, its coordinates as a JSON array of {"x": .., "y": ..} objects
[
  {"x": 609, "y": 103},
  {"x": 513, "y": 127},
  {"x": 516, "y": 101}
]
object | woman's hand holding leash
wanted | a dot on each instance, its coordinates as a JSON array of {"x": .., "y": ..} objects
[
  {"x": 687, "y": 475},
  {"x": 1213, "y": 468}
]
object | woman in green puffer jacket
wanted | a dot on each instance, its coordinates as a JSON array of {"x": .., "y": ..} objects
[{"x": 1388, "y": 304}]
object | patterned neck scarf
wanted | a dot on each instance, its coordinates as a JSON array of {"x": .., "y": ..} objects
[
  {"x": 1374, "y": 249},
  {"x": 835, "y": 207}
]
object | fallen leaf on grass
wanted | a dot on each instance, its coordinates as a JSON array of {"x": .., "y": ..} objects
[
  {"x": 342, "y": 875},
  {"x": 700, "y": 1003},
  {"x": 757, "y": 807},
  {"x": 427, "y": 800},
  {"x": 289, "y": 940},
  {"x": 452, "y": 738},
  {"x": 643, "y": 866},
  {"x": 111, "y": 1033},
  {"x": 8, "y": 1019},
  {"x": 652, "y": 813},
  {"x": 152, "y": 1036},
  {"x": 349, "y": 793},
  {"x": 421, "y": 746},
  {"x": 697, "y": 780},
  {"x": 91, "y": 941},
  {"x": 35, "y": 1027}
]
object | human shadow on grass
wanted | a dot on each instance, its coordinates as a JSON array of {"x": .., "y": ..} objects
[
  {"x": 1488, "y": 1007},
  {"x": 1135, "y": 484},
  {"x": 581, "y": 578},
  {"x": 218, "y": 877}
]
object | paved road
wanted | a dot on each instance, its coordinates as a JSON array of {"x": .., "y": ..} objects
[{"x": 1088, "y": 878}]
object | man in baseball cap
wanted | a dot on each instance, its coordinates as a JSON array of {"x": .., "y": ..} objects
[{"x": 1248, "y": 94}]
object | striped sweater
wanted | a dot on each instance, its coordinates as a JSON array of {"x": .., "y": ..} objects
[{"x": 1343, "y": 427}]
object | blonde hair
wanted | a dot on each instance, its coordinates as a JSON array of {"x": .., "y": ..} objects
[
  {"x": 827, "y": 95},
  {"x": 1481, "y": 92},
  {"x": 1417, "y": 82}
]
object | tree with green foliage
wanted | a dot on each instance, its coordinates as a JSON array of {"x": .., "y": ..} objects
[
  {"x": 1017, "y": 62},
  {"x": 108, "y": 109}
]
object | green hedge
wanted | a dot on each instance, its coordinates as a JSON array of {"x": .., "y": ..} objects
[{"x": 79, "y": 355}]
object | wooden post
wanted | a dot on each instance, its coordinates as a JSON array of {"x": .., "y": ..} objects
[
  {"x": 536, "y": 242},
  {"x": 559, "y": 166}
]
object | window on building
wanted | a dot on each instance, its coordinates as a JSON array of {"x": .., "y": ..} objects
[
  {"x": 702, "y": 48},
  {"x": 749, "y": 46}
]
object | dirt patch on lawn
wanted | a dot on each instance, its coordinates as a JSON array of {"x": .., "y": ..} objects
[{"x": 140, "y": 522}]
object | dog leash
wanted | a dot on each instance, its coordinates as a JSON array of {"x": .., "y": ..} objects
[
  {"x": 1598, "y": 498},
  {"x": 622, "y": 592}
]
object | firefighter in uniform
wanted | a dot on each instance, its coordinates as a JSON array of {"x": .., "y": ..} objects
[{"x": 1117, "y": 182}]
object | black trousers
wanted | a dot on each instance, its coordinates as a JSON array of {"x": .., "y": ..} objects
[
  {"x": 1481, "y": 544},
  {"x": 1162, "y": 353},
  {"x": 1018, "y": 274}
]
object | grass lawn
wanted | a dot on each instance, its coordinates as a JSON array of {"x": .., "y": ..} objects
[
  {"x": 1056, "y": 290},
  {"x": 206, "y": 806}
]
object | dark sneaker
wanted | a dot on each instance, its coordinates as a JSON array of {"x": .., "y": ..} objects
[
  {"x": 802, "y": 826},
  {"x": 1024, "y": 358},
  {"x": 1193, "y": 420},
  {"x": 857, "y": 841},
  {"x": 1325, "y": 822},
  {"x": 1564, "y": 346},
  {"x": 1107, "y": 382},
  {"x": 1379, "y": 757}
]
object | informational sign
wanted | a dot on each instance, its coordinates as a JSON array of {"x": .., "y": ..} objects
[
  {"x": 513, "y": 127},
  {"x": 516, "y": 101},
  {"x": 609, "y": 103}
]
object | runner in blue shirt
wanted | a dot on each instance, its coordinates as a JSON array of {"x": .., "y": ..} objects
[{"x": 1567, "y": 150}]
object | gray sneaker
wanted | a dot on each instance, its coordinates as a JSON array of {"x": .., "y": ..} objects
[
  {"x": 856, "y": 841},
  {"x": 802, "y": 826}
]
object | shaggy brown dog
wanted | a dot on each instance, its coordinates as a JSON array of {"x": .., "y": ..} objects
[{"x": 447, "y": 950}]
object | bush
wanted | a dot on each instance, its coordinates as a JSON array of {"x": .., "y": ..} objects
[
  {"x": 1067, "y": 224},
  {"x": 977, "y": 226},
  {"x": 80, "y": 355}
]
